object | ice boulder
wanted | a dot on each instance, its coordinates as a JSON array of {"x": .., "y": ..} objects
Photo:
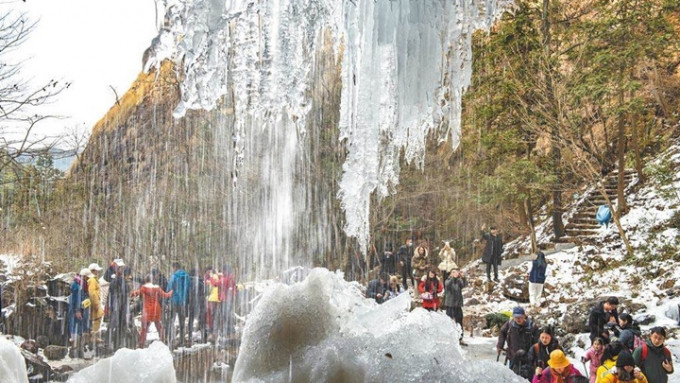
[
  {"x": 12, "y": 364},
  {"x": 149, "y": 365},
  {"x": 323, "y": 330}
]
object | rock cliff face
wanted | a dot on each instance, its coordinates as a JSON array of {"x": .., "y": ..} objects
[{"x": 151, "y": 188}]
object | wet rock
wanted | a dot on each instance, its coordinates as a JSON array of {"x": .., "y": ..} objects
[
  {"x": 30, "y": 345},
  {"x": 645, "y": 319},
  {"x": 55, "y": 352},
  {"x": 472, "y": 302},
  {"x": 36, "y": 368},
  {"x": 42, "y": 341}
]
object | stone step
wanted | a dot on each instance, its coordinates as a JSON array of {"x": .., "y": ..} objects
[
  {"x": 581, "y": 232},
  {"x": 579, "y": 226}
]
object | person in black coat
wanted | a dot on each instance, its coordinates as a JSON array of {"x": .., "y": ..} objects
[
  {"x": 453, "y": 299},
  {"x": 539, "y": 353},
  {"x": 389, "y": 264},
  {"x": 377, "y": 288},
  {"x": 404, "y": 256},
  {"x": 603, "y": 314},
  {"x": 492, "y": 251}
]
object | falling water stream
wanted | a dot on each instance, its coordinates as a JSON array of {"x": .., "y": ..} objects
[{"x": 256, "y": 67}]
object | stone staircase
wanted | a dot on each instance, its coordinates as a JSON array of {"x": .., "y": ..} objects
[{"x": 582, "y": 226}]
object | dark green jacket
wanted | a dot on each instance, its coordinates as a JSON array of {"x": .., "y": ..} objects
[{"x": 651, "y": 366}]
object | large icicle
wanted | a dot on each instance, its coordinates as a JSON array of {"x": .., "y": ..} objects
[{"x": 405, "y": 66}]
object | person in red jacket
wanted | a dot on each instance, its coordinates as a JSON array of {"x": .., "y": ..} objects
[
  {"x": 151, "y": 311},
  {"x": 429, "y": 289}
]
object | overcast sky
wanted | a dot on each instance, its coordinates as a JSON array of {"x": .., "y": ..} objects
[{"x": 94, "y": 44}]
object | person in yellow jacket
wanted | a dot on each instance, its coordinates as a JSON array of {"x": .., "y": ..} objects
[
  {"x": 96, "y": 307},
  {"x": 609, "y": 356},
  {"x": 625, "y": 371}
]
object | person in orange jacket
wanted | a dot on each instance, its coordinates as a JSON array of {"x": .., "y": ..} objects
[{"x": 151, "y": 310}]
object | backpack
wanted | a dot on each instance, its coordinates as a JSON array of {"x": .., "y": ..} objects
[{"x": 645, "y": 350}]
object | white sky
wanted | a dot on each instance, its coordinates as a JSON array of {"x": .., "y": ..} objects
[{"x": 94, "y": 44}]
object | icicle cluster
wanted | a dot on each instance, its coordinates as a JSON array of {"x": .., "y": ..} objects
[{"x": 405, "y": 66}]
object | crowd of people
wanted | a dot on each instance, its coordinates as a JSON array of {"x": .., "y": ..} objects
[
  {"x": 413, "y": 270},
  {"x": 118, "y": 296},
  {"x": 618, "y": 352}
]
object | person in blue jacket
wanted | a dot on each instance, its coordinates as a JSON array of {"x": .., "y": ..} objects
[
  {"x": 537, "y": 279},
  {"x": 78, "y": 312},
  {"x": 179, "y": 283}
]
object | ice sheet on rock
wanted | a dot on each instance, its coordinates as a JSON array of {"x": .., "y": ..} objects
[
  {"x": 150, "y": 365},
  {"x": 319, "y": 330},
  {"x": 12, "y": 364}
]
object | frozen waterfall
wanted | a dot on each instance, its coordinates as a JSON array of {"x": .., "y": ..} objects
[{"x": 405, "y": 65}]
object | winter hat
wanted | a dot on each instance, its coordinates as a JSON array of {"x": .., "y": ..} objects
[
  {"x": 95, "y": 266},
  {"x": 625, "y": 359},
  {"x": 558, "y": 359},
  {"x": 518, "y": 311}
]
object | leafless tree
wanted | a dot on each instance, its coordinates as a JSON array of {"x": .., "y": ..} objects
[{"x": 20, "y": 99}]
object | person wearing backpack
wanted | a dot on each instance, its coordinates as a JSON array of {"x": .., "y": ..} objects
[
  {"x": 630, "y": 335},
  {"x": 539, "y": 353},
  {"x": 625, "y": 371},
  {"x": 653, "y": 358},
  {"x": 520, "y": 333},
  {"x": 179, "y": 283},
  {"x": 560, "y": 370},
  {"x": 609, "y": 357}
]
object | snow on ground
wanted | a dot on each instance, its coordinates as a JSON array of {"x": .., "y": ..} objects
[{"x": 650, "y": 279}]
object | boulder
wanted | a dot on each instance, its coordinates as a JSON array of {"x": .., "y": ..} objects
[
  {"x": 472, "y": 302},
  {"x": 516, "y": 287},
  {"x": 53, "y": 352},
  {"x": 42, "y": 341},
  {"x": 30, "y": 345},
  {"x": 36, "y": 368}
]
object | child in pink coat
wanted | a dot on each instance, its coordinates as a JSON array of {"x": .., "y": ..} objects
[{"x": 594, "y": 355}]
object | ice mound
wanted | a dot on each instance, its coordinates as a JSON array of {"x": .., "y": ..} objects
[
  {"x": 324, "y": 330},
  {"x": 12, "y": 364},
  {"x": 150, "y": 365}
]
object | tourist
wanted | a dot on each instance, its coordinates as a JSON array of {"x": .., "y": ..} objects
[
  {"x": 420, "y": 262},
  {"x": 96, "y": 306},
  {"x": 196, "y": 305},
  {"x": 227, "y": 291},
  {"x": 559, "y": 370},
  {"x": 388, "y": 261},
  {"x": 394, "y": 288},
  {"x": 594, "y": 356},
  {"x": 625, "y": 371},
  {"x": 537, "y": 279},
  {"x": 654, "y": 358},
  {"x": 404, "y": 256},
  {"x": 609, "y": 357},
  {"x": 78, "y": 312},
  {"x": 118, "y": 306},
  {"x": 448, "y": 259},
  {"x": 520, "y": 333},
  {"x": 377, "y": 288},
  {"x": 603, "y": 314},
  {"x": 629, "y": 332},
  {"x": 179, "y": 283},
  {"x": 429, "y": 289},
  {"x": 453, "y": 298},
  {"x": 493, "y": 251},
  {"x": 151, "y": 313},
  {"x": 539, "y": 353}
]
